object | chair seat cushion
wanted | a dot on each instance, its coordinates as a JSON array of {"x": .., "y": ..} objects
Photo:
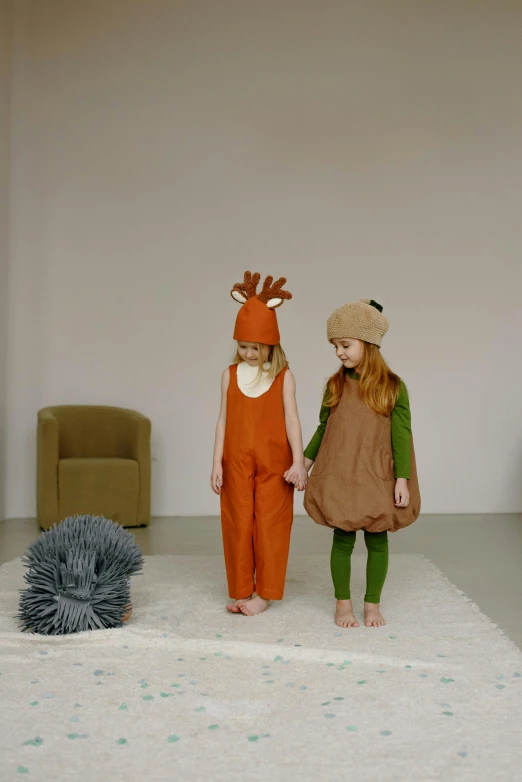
[{"x": 99, "y": 486}]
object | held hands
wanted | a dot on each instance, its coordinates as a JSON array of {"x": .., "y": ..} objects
[
  {"x": 216, "y": 479},
  {"x": 298, "y": 475},
  {"x": 402, "y": 493}
]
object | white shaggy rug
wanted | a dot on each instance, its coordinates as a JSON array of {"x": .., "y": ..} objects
[{"x": 189, "y": 692}]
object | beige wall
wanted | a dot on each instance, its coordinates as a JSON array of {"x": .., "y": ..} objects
[
  {"x": 6, "y": 9},
  {"x": 359, "y": 148}
]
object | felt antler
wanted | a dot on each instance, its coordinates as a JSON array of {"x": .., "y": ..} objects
[
  {"x": 273, "y": 294},
  {"x": 242, "y": 291}
]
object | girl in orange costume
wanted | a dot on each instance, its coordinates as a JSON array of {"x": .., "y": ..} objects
[{"x": 258, "y": 448}]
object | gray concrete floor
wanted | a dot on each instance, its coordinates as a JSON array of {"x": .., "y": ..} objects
[{"x": 481, "y": 555}]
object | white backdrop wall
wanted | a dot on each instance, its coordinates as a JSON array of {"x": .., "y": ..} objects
[
  {"x": 360, "y": 148},
  {"x": 6, "y": 18}
]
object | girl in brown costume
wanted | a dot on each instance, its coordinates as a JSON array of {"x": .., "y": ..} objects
[{"x": 365, "y": 475}]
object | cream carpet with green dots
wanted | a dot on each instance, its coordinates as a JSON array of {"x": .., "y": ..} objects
[{"x": 189, "y": 692}]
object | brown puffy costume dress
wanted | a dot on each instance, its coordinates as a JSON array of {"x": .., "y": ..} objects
[{"x": 352, "y": 483}]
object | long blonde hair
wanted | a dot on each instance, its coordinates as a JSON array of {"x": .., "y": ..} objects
[
  {"x": 272, "y": 353},
  {"x": 379, "y": 385}
]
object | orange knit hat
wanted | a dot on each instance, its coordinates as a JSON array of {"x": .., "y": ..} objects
[{"x": 256, "y": 320}]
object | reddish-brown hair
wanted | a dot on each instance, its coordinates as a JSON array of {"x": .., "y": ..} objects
[{"x": 379, "y": 385}]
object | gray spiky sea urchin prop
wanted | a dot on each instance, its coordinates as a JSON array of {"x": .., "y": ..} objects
[{"x": 78, "y": 577}]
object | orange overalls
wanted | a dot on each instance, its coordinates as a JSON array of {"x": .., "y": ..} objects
[{"x": 256, "y": 501}]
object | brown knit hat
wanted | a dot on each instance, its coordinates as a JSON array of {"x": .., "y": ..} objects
[{"x": 361, "y": 320}]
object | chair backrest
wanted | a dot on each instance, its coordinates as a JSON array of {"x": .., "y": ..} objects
[{"x": 86, "y": 431}]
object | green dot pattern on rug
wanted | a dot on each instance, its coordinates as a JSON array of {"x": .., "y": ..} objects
[
  {"x": 22, "y": 770},
  {"x": 37, "y": 742},
  {"x": 236, "y": 698}
]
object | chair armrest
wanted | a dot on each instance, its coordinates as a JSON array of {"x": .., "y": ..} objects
[
  {"x": 47, "y": 469},
  {"x": 140, "y": 447}
]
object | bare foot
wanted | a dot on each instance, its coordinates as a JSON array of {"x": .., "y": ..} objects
[
  {"x": 372, "y": 615},
  {"x": 234, "y": 607},
  {"x": 255, "y": 606},
  {"x": 127, "y": 615},
  {"x": 344, "y": 616}
]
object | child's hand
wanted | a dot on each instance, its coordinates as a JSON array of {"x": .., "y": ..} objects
[
  {"x": 298, "y": 475},
  {"x": 402, "y": 493},
  {"x": 216, "y": 479},
  {"x": 308, "y": 464},
  {"x": 301, "y": 485},
  {"x": 290, "y": 475}
]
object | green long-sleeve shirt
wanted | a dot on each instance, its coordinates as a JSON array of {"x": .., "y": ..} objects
[{"x": 400, "y": 433}]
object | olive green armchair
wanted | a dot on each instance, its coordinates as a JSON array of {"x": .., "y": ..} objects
[{"x": 94, "y": 460}]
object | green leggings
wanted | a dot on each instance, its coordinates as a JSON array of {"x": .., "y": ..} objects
[{"x": 376, "y": 567}]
